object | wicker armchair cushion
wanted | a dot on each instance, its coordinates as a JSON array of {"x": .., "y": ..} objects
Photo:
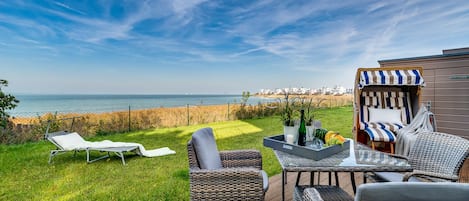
[
  {"x": 411, "y": 191},
  {"x": 206, "y": 149}
]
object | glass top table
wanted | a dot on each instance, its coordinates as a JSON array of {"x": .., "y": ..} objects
[{"x": 359, "y": 158}]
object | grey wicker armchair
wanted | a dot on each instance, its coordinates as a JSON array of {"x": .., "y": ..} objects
[
  {"x": 392, "y": 191},
  {"x": 434, "y": 157},
  {"x": 224, "y": 175}
]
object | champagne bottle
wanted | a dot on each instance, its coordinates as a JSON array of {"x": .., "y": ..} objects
[{"x": 302, "y": 130}]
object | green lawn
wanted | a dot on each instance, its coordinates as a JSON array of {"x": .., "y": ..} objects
[{"x": 26, "y": 175}]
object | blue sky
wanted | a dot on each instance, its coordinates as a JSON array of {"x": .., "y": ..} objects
[{"x": 197, "y": 46}]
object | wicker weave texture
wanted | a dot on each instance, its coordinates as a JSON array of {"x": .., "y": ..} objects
[
  {"x": 240, "y": 179},
  {"x": 437, "y": 156},
  {"x": 321, "y": 192}
]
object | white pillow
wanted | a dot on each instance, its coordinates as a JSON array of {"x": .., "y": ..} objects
[
  {"x": 385, "y": 115},
  {"x": 70, "y": 141}
]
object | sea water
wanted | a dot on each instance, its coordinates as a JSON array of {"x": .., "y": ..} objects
[{"x": 33, "y": 105}]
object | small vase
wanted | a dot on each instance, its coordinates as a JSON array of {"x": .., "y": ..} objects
[
  {"x": 290, "y": 134},
  {"x": 310, "y": 133}
]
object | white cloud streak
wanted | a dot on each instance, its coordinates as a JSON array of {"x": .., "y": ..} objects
[
  {"x": 69, "y": 8},
  {"x": 300, "y": 32}
]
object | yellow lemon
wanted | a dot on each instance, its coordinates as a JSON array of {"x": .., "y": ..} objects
[
  {"x": 329, "y": 135},
  {"x": 340, "y": 138}
]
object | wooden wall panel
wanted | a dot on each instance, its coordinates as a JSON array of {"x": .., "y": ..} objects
[
  {"x": 453, "y": 111},
  {"x": 460, "y": 98},
  {"x": 451, "y": 117},
  {"x": 450, "y": 71},
  {"x": 451, "y": 130},
  {"x": 432, "y": 63},
  {"x": 447, "y": 85},
  {"x": 453, "y": 92},
  {"x": 448, "y": 94},
  {"x": 450, "y": 104}
]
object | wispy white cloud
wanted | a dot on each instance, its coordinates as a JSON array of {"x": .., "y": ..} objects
[
  {"x": 184, "y": 7},
  {"x": 314, "y": 36},
  {"x": 31, "y": 25},
  {"x": 27, "y": 40},
  {"x": 376, "y": 6},
  {"x": 69, "y": 8}
]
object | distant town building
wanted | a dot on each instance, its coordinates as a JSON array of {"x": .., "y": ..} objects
[{"x": 337, "y": 90}]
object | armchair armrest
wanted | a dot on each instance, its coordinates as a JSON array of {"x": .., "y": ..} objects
[
  {"x": 399, "y": 156},
  {"x": 226, "y": 183},
  {"x": 429, "y": 175},
  {"x": 241, "y": 158}
]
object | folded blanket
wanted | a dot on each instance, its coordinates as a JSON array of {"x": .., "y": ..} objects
[
  {"x": 73, "y": 141},
  {"x": 140, "y": 151}
]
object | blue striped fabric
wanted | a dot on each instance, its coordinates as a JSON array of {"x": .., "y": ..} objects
[
  {"x": 399, "y": 100},
  {"x": 399, "y": 77},
  {"x": 382, "y": 131},
  {"x": 391, "y": 78},
  {"x": 380, "y": 134},
  {"x": 367, "y": 81}
]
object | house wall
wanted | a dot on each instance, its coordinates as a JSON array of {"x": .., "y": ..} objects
[{"x": 447, "y": 88}]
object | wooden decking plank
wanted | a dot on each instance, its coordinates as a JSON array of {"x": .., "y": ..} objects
[{"x": 275, "y": 184}]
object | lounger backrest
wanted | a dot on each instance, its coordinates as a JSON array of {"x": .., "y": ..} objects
[
  {"x": 67, "y": 141},
  {"x": 49, "y": 136}
]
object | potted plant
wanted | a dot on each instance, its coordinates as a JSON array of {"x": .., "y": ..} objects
[
  {"x": 287, "y": 109},
  {"x": 309, "y": 105}
]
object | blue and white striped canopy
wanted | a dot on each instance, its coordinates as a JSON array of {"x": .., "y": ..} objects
[{"x": 391, "y": 78}]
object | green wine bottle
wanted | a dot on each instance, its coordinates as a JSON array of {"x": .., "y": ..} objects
[{"x": 302, "y": 130}]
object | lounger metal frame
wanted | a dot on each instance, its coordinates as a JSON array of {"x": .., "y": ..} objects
[{"x": 119, "y": 151}]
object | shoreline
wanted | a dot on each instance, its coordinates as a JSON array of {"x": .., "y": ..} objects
[
  {"x": 37, "y": 105},
  {"x": 18, "y": 115},
  {"x": 92, "y": 123}
]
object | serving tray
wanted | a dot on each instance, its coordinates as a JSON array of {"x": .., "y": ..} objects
[{"x": 277, "y": 142}]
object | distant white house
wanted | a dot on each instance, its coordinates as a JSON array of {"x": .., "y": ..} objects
[{"x": 337, "y": 90}]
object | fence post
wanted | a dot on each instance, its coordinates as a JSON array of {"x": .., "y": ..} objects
[
  {"x": 188, "y": 120},
  {"x": 228, "y": 113},
  {"x": 129, "y": 118}
]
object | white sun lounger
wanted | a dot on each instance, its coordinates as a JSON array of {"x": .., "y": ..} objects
[{"x": 66, "y": 141}]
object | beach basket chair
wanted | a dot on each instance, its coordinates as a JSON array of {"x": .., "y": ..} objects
[{"x": 385, "y": 100}]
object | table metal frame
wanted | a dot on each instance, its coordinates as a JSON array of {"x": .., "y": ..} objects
[{"x": 359, "y": 158}]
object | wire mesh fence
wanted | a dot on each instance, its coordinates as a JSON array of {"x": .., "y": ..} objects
[{"x": 31, "y": 127}]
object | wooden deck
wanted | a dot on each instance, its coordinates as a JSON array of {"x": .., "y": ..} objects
[{"x": 275, "y": 183}]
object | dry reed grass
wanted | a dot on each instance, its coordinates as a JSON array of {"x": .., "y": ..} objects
[{"x": 91, "y": 124}]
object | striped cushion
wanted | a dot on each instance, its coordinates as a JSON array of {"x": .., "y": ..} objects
[
  {"x": 399, "y": 100},
  {"x": 369, "y": 99},
  {"x": 391, "y": 100},
  {"x": 389, "y": 126},
  {"x": 391, "y": 77},
  {"x": 380, "y": 134}
]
